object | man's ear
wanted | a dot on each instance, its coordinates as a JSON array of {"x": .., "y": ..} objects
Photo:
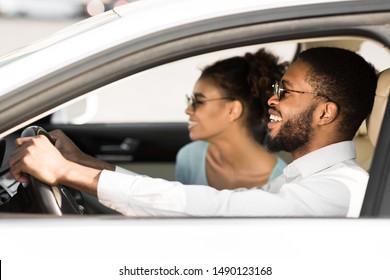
[
  {"x": 328, "y": 113},
  {"x": 235, "y": 110}
]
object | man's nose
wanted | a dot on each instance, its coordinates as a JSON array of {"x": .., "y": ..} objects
[{"x": 273, "y": 100}]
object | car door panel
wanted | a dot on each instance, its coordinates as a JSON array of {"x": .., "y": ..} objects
[{"x": 148, "y": 148}]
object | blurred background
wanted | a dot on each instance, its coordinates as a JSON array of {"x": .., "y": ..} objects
[{"x": 24, "y": 21}]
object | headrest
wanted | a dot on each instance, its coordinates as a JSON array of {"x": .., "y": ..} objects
[{"x": 381, "y": 95}]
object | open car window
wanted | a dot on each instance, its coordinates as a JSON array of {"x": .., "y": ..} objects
[{"x": 156, "y": 94}]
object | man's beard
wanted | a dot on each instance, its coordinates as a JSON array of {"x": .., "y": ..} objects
[{"x": 294, "y": 134}]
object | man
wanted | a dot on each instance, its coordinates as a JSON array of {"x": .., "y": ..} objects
[{"x": 316, "y": 110}]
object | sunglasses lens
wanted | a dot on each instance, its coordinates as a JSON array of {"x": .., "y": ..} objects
[
  {"x": 276, "y": 90},
  {"x": 191, "y": 102}
]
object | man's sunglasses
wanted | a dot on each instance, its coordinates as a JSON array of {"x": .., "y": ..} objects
[{"x": 281, "y": 92}]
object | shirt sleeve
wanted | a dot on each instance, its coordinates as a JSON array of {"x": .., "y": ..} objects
[
  {"x": 142, "y": 196},
  {"x": 122, "y": 170}
]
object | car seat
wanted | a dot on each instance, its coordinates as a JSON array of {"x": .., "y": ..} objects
[
  {"x": 368, "y": 133},
  {"x": 374, "y": 122},
  {"x": 375, "y": 190}
]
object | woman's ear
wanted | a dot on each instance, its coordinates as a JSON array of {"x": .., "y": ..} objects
[
  {"x": 235, "y": 110},
  {"x": 329, "y": 112}
]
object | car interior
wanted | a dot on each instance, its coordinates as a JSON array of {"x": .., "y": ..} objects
[{"x": 144, "y": 135}]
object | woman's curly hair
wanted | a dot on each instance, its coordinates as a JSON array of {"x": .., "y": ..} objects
[{"x": 249, "y": 79}]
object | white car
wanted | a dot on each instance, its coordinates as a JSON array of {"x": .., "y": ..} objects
[{"x": 138, "y": 61}]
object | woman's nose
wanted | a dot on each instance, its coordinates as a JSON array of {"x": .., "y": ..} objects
[{"x": 189, "y": 110}]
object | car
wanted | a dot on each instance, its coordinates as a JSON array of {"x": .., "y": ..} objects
[{"x": 116, "y": 84}]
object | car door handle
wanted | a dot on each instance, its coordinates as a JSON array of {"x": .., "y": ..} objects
[
  {"x": 128, "y": 146},
  {"x": 119, "y": 153}
]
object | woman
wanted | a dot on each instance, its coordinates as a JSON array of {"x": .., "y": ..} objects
[{"x": 228, "y": 104}]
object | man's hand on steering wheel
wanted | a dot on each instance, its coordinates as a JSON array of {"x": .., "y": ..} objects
[
  {"x": 39, "y": 158},
  {"x": 38, "y": 161}
]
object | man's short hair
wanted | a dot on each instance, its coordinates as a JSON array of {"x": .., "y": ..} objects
[{"x": 347, "y": 79}]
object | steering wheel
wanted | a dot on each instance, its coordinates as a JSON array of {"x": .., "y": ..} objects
[{"x": 56, "y": 200}]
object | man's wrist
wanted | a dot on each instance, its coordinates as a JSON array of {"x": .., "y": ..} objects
[
  {"x": 82, "y": 178},
  {"x": 92, "y": 162}
]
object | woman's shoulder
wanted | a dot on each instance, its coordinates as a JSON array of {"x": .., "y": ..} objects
[
  {"x": 278, "y": 169},
  {"x": 280, "y": 162},
  {"x": 194, "y": 147}
]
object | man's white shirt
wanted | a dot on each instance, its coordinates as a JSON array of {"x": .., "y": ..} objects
[{"x": 325, "y": 183}]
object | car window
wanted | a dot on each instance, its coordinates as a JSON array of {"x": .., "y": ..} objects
[
  {"x": 375, "y": 53},
  {"x": 158, "y": 94},
  {"x": 154, "y": 95}
]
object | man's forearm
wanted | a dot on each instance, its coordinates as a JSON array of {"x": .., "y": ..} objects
[
  {"x": 95, "y": 163},
  {"x": 82, "y": 178}
]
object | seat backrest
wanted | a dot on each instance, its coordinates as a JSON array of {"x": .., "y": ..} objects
[
  {"x": 374, "y": 122},
  {"x": 364, "y": 147}
]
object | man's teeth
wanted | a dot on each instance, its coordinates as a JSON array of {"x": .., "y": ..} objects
[{"x": 274, "y": 118}]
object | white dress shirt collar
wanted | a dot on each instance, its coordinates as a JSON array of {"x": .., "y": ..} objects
[{"x": 321, "y": 159}]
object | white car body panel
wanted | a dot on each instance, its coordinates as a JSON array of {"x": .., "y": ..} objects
[{"x": 294, "y": 248}]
